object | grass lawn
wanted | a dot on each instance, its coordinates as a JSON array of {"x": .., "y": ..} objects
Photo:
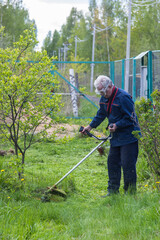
[{"x": 84, "y": 214}]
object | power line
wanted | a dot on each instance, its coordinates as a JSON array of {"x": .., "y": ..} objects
[
  {"x": 78, "y": 40},
  {"x": 103, "y": 29},
  {"x": 145, "y": 3}
]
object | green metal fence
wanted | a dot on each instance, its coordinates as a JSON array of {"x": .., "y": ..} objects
[{"x": 143, "y": 78}]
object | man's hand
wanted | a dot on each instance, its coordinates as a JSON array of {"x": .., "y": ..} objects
[
  {"x": 88, "y": 128},
  {"x": 112, "y": 127}
]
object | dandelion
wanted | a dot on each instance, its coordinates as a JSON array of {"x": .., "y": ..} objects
[
  {"x": 22, "y": 179},
  {"x": 146, "y": 185},
  {"x": 2, "y": 170},
  {"x": 157, "y": 182},
  {"x": 8, "y": 197}
]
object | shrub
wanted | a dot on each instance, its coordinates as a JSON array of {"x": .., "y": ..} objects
[{"x": 148, "y": 112}]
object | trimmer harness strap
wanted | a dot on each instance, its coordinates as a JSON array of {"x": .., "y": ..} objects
[{"x": 111, "y": 99}]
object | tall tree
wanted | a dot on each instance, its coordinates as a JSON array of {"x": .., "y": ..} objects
[
  {"x": 60, "y": 39},
  {"x": 47, "y": 44},
  {"x": 81, "y": 39},
  {"x": 92, "y": 7},
  {"x": 54, "y": 44},
  {"x": 67, "y": 28},
  {"x": 114, "y": 18},
  {"x": 111, "y": 44},
  {"x": 15, "y": 19},
  {"x": 145, "y": 23}
]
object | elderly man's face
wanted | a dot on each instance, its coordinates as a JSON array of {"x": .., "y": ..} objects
[{"x": 106, "y": 92}]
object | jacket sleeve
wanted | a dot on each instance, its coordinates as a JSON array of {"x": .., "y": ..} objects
[
  {"x": 99, "y": 118},
  {"x": 128, "y": 113}
]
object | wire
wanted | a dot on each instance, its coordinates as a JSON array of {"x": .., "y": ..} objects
[
  {"x": 103, "y": 29},
  {"x": 144, "y": 3},
  {"x": 79, "y": 40}
]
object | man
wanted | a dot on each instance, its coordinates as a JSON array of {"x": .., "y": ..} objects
[{"x": 118, "y": 106}]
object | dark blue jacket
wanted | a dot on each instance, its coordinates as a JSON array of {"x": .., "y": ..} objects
[{"x": 122, "y": 113}]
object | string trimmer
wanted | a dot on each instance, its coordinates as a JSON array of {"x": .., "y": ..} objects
[{"x": 54, "y": 190}]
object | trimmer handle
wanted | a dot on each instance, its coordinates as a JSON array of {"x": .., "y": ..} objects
[
  {"x": 91, "y": 135},
  {"x": 88, "y": 133}
]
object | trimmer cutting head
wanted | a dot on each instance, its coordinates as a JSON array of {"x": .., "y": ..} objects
[{"x": 55, "y": 191}]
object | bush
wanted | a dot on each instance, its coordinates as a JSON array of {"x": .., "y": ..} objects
[
  {"x": 9, "y": 179},
  {"x": 148, "y": 112}
]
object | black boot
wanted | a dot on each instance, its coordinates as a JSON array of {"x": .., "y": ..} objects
[
  {"x": 130, "y": 189},
  {"x": 110, "y": 193}
]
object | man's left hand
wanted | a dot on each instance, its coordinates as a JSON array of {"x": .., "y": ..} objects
[{"x": 112, "y": 128}]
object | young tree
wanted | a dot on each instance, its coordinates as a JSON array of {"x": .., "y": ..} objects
[{"x": 25, "y": 93}]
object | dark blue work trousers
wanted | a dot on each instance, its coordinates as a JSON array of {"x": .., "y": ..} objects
[{"x": 124, "y": 157}]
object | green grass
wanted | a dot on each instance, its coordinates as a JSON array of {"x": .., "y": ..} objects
[{"x": 84, "y": 214}]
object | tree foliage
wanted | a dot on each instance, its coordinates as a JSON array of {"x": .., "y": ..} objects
[
  {"x": 25, "y": 93},
  {"x": 111, "y": 44},
  {"x": 149, "y": 119},
  {"x": 145, "y": 27},
  {"x": 15, "y": 19}
]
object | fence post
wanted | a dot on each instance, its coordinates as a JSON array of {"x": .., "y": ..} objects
[
  {"x": 112, "y": 71},
  {"x": 123, "y": 72},
  {"x": 150, "y": 85},
  {"x": 73, "y": 93},
  {"x": 134, "y": 80}
]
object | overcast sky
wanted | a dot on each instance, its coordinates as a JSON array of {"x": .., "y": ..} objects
[{"x": 51, "y": 14}]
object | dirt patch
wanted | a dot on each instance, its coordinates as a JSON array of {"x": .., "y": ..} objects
[{"x": 62, "y": 130}]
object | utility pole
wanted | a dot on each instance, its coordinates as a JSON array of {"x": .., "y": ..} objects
[
  {"x": 93, "y": 47},
  {"x": 65, "y": 51},
  {"x": 62, "y": 52},
  {"x": 76, "y": 41},
  {"x": 59, "y": 57},
  {"x": 128, "y": 46},
  {"x": 54, "y": 53},
  {"x": 92, "y": 64}
]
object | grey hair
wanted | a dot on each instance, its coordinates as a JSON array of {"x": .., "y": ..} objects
[{"x": 104, "y": 81}]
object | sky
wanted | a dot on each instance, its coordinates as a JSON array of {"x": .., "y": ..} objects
[{"x": 51, "y": 14}]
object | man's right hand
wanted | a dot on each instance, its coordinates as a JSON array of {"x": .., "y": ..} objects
[{"x": 88, "y": 128}]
